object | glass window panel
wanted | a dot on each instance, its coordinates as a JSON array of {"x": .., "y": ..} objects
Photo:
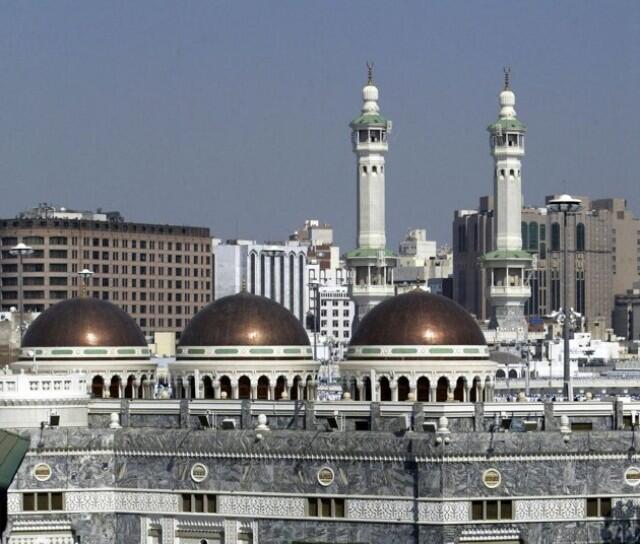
[
  {"x": 592, "y": 508},
  {"x": 56, "y": 501},
  {"x": 312, "y": 507},
  {"x": 338, "y": 508},
  {"x": 186, "y": 503},
  {"x": 28, "y": 502},
  {"x": 476, "y": 510},
  {"x": 325, "y": 508},
  {"x": 198, "y": 503},
  {"x": 506, "y": 510},
  {"x": 42, "y": 500},
  {"x": 492, "y": 510},
  {"x": 211, "y": 504}
]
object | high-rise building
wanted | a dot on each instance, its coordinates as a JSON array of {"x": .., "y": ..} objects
[
  {"x": 602, "y": 261},
  {"x": 160, "y": 274},
  {"x": 371, "y": 264},
  {"x": 506, "y": 265}
]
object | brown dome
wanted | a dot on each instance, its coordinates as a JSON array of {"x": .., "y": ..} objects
[
  {"x": 244, "y": 320},
  {"x": 418, "y": 318},
  {"x": 83, "y": 322}
]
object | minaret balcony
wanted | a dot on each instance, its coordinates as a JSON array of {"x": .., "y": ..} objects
[
  {"x": 506, "y": 292},
  {"x": 380, "y": 290},
  {"x": 506, "y": 151},
  {"x": 364, "y": 148}
]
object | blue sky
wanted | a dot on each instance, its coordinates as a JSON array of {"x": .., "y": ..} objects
[{"x": 234, "y": 115}]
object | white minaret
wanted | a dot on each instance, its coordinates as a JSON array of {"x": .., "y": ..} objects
[
  {"x": 371, "y": 264},
  {"x": 508, "y": 263}
]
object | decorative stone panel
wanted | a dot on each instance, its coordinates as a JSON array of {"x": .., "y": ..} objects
[
  {"x": 549, "y": 509},
  {"x": 443, "y": 512},
  {"x": 120, "y": 501},
  {"x": 258, "y": 506},
  {"x": 380, "y": 510}
]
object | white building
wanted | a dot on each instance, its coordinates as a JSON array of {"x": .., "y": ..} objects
[
  {"x": 507, "y": 264},
  {"x": 421, "y": 262},
  {"x": 371, "y": 264},
  {"x": 277, "y": 271},
  {"x": 289, "y": 273}
]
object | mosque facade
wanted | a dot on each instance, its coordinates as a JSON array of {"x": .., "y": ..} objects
[{"x": 230, "y": 443}]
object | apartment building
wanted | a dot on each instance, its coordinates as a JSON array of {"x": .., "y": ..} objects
[{"x": 160, "y": 274}]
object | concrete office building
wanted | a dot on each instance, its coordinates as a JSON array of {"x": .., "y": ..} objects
[
  {"x": 598, "y": 266},
  {"x": 421, "y": 262},
  {"x": 160, "y": 274}
]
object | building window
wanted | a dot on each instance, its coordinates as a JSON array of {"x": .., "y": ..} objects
[
  {"x": 543, "y": 250},
  {"x": 533, "y": 236},
  {"x": 524, "y": 232},
  {"x": 492, "y": 510},
  {"x": 325, "y": 507},
  {"x": 555, "y": 237},
  {"x": 199, "y": 502},
  {"x": 252, "y": 274},
  {"x": 580, "y": 238},
  {"x": 598, "y": 508},
  {"x": 32, "y": 502},
  {"x": 580, "y": 292}
]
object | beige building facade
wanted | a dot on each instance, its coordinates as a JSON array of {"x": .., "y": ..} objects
[
  {"x": 160, "y": 274},
  {"x": 604, "y": 251}
]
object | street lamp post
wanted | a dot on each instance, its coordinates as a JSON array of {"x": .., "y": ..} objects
[
  {"x": 566, "y": 205},
  {"x": 21, "y": 250}
]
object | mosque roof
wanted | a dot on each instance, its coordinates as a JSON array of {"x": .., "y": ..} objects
[
  {"x": 418, "y": 318},
  {"x": 244, "y": 319},
  {"x": 83, "y": 323}
]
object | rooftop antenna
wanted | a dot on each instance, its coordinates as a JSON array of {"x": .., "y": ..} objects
[
  {"x": 507, "y": 77},
  {"x": 369, "y": 73}
]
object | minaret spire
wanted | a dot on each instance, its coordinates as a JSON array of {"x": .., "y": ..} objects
[
  {"x": 507, "y": 78},
  {"x": 369, "y": 73},
  {"x": 371, "y": 263},
  {"x": 507, "y": 265}
]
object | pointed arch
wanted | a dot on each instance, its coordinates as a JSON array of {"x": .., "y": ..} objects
[
  {"x": 442, "y": 389},
  {"x": 263, "y": 388},
  {"x": 422, "y": 389},
  {"x": 114, "y": 387},
  {"x": 385, "y": 389},
  {"x": 130, "y": 387},
  {"x": 225, "y": 386},
  {"x": 244, "y": 387},
  {"x": 207, "y": 382},
  {"x": 97, "y": 387},
  {"x": 403, "y": 388}
]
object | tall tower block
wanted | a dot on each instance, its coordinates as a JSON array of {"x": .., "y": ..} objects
[
  {"x": 507, "y": 265},
  {"x": 371, "y": 264}
]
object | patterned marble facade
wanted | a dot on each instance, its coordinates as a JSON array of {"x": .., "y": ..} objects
[{"x": 308, "y": 484}]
